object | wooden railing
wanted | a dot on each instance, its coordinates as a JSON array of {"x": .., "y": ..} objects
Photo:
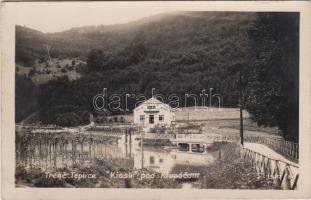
[
  {"x": 286, "y": 148},
  {"x": 109, "y": 128},
  {"x": 186, "y": 137},
  {"x": 284, "y": 175},
  {"x": 159, "y": 136},
  {"x": 197, "y": 137}
]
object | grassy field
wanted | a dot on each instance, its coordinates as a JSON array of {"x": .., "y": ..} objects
[
  {"x": 226, "y": 119},
  {"x": 204, "y": 113}
]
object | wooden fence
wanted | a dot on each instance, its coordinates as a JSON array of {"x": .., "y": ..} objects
[
  {"x": 286, "y": 148},
  {"x": 284, "y": 175},
  {"x": 159, "y": 136}
]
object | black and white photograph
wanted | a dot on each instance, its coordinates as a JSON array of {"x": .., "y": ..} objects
[
  {"x": 155, "y": 98},
  {"x": 171, "y": 100}
]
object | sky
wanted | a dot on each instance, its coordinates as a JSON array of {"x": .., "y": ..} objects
[
  {"x": 55, "y": 17},
  {"x": 60, "y": 16}
]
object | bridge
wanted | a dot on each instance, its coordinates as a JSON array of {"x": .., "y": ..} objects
[
  {"x": 269, "y": 156},
  {"x": 268, "y": 163}
]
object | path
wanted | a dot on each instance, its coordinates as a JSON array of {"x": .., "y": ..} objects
[{"x": 266, "y": 151}]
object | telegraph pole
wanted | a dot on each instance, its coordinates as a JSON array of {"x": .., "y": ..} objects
[
  {"x": 241, "y": 110},
  {"x": 210, "y": 97},
  {"x": 142, "y": 149},
  {"x": 48, "y": 50},
  {"x": 188, "y": 121}
]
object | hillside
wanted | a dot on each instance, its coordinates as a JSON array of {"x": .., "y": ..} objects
[
  {"x": 178, "y": 30},
  {"x": 175, "y": 47}
]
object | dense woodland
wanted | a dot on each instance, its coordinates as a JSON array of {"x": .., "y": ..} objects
[{"x": 178, "y": 53}]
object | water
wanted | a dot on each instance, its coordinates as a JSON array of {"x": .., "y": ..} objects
[{"x": 104, "y": 155}]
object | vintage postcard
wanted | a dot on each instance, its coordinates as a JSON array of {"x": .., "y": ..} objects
[{"x": 155, "y": 100}]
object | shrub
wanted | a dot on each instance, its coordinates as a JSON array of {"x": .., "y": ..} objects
[
  {"x": 49, "y": 182},
  {"x": 32, "y": 72},
  {"x": 68, "y": 119}
]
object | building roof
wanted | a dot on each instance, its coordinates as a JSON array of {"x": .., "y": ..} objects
[{"x": 153, "y": 101}]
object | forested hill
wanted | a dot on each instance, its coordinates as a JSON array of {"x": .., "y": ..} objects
[
  {"x": 165, "y": 32},
  {"x": 185, "y": 51},
  {"x": 175, "y": 53}
]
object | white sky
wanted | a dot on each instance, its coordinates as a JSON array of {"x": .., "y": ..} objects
[
  {"x": 59, "y": 16},
  {"x": 54, "y": 17}
]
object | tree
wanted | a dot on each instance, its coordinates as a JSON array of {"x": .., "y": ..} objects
[
  {"x": 137, "y": 49},
  {"x": 95, "y": 60},
  {"x": 25, "y": 57},
  {"x": 273, "y": 92},
  {"x": 239, "y": 71},
  {"x": 26, "y": 101},
  {"x": 68, "y": 119},
  {"x": 73, "y": 62}
]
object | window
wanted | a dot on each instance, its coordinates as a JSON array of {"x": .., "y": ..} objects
[
  {"x": 183, "y": 147},
  {"x": 142, "y": 118},
  {"x": 197, "y": 148},
  {"x": 161, "y": 118},
  {"x": 151, "y": 158},
  {"x": 151, "y": 107}
]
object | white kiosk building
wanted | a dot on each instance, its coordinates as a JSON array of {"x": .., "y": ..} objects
[{"x": 153, "y": 113}]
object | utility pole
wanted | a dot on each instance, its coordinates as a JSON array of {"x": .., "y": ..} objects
[
  {"x": 48, "y": 50},
  {"x": 130, "y": 142},
  {"x": 210, "y": 97},
  {"x": 130, "y": 132},
  {"x": 188, "y": 121},
  {"x": 241, "y": 110},
  {"x": 142, "y": 151},
  {"x": 126, "y": 135}
]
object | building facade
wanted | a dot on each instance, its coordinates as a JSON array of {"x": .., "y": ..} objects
[{"x": 153, "y": 113}]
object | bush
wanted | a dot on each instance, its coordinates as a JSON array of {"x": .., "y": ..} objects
[
  {"x": 49, "y": 182},
  {"x": 68, "y": 119},
  {"x": 65, "y": 115},
  {"x": 20, "y": 172},
  {"x": 73, "y": 63},
  {"x": 70, "y": 68},
  {"x": 41, "y": 59},
  {"x": 32, "y": 72},
  {"x": 82, "y": 68}
]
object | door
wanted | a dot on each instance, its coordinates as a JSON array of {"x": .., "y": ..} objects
[{"x": 151, "y": 119}]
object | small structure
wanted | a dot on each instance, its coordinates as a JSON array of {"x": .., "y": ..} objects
[{"x": 153, "y": 113}]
